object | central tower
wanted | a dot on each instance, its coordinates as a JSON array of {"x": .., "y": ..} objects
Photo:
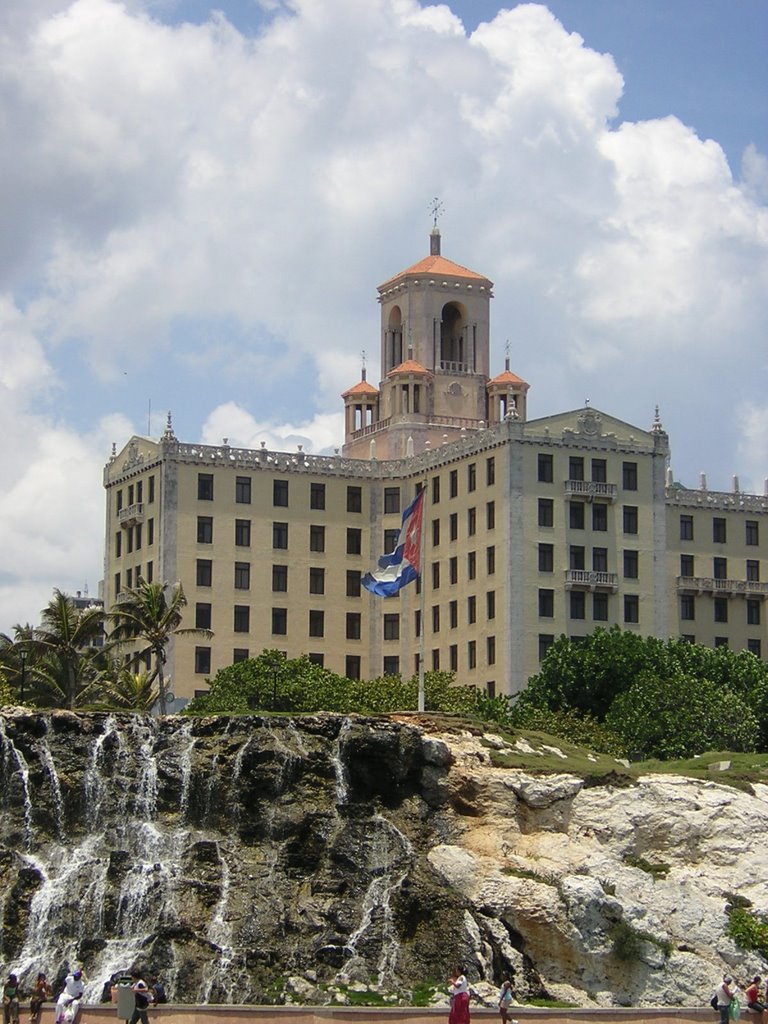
[{"x": 435, "y": 344}]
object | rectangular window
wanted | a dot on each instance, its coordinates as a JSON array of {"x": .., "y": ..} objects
[
  {"x": 279, "y": 621},
  {"x": 205, "y": 486},
  {"x": 546, "y": 468},
  {"x": 545, "y": 642},
  {"x": 242, "y": 618},
  {"x": 471, "y": 476},
  {"x": 435, "y": 660},
  {"x": 243, "y": 490},
  {"x": 720, "y": 568},
  {"x": 546, "y": 512},
  {"x": 453, "y": 615},
  {"x": 150, "y": 572},
  {"x": 353, "y": 625},
  {"x": 151, "y": 489},
  {"x": 280, "y": 535},
  {"x": 243, "y": 533},
  {"x": 118, "y": 543},
  {"x": 240, "y": 654},
  {"x": 686, "y": 527},
  {"x": 629, "y": 476},
  {"x": 435, "y": 533},
  {"x": 576, "y": 554},
  {"x": 471, "y": 565},
  {"x": 490, "y": 650},
  {"x": 721, "y": 609},
  {"x": 138, "y": 536},
  {"x": 631, "y": 565},
  {"x": 753, "y": 532},
  {"x": 280, "y": 493},
  {"x": 316, "y": 580},
  {"x": 755, "y": 647},
  {"x": 471, "y": 609},
  {"x": 353, "y": 583},
  {"x": 317, "y": 496},
  {"x": 472, "y": 654},
  {"x": 490, "y": 604},
  {"x": 753, "y": 570},
  {"x": 718, "y": 530},
  {"x": 129, "y": 578},
  {"x": 202, "y": 615},
  {"x": 687, "y": 608},
  {"x": 435, "y": 490},
  {"x": 354, "y": 541},
  {"x": 280, "y": 578},
  {"x": 600, "y": 559},
  {"x": 150, "y": 532},
  {"x": 453, "y": 483},
  {"x": 417, "y": 630},
  {"x": 352, "y": 666},
  {"x": 471, "y": 521},
  {"x": 117, "y": 583},
  {"x": 453, "y": 569},
  {"x": 435, "y": 575},
  {"x": 546, "y": 604},
  {"x": 490, "y": 560},
  {"x": 631, "y": 608},
  {"x": 453, "y": 658},
  {"x": 317, "y": 538},
  {"x": 687, "y": 565},
  {"x": 391, "y": 665},
  {"x": 242, "y": 575},
  {"x": 600, "y": 516},
  {"x": 490, "y": 471},
  {"x": 391, "y": 499},
  {"x": 129, "y": 539},
  {"x": 600, "y": 607},
  {"x": 576, "y": 515},
  {"x": 630, "y": 521},
  {"x": 546, "y": 557},
  {"x": 203, "y": 660},
  {"x": 391, "y": 627},
  {"x": 599, "y": 471},
  {"x": 205, "y": 529},
  {"x": 753, "y": 612},
  {"x": 316, "y": 623},
  {"x": 204, "y": 572},
  {"x": 435, "y": 618},
  {"x": 577, "y": 604},
  {"x": 453, "y": 526},
  {"x": 490, "y": 515},
  {"x": 575, "y": 467},
  {"x": 354, "y": 499}
]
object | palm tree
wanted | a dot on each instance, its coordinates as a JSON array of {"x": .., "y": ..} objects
[
  {"x": 66, "y": 661},
  {"x": 125, "y": 691},
  {"x": 145, "y": 613}
]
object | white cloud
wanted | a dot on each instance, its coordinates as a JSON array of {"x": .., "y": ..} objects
[{"x": 257, "y": 189}]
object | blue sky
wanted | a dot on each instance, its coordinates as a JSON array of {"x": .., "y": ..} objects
[{"x": 198, "y": 208}]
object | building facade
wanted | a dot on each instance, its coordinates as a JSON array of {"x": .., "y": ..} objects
[{"x": 533, "y": 528}]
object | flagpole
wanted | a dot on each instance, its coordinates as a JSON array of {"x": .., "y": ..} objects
[{"x": 422, "y": 609}]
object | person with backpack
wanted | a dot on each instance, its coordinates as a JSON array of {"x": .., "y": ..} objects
[{"x": 141, "y": 998}]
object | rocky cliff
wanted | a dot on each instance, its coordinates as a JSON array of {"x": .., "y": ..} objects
[{"x": 253, "y": 859}]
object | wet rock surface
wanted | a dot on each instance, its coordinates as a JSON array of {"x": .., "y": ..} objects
[{"x": 265, "y": 859}]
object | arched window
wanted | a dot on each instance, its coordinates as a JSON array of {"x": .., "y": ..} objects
[{"x": 453, "y": 341}]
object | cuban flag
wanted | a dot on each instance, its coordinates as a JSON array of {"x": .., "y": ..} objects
[{"x": 403, "y": 564}]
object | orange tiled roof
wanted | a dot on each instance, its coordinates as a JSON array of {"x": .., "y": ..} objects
[
  {"x": 440, "y": 266},
  {"x": 361, "y": 388},
  {"x": 409, "y": 366},
  {"x": 507, "y": 377}
]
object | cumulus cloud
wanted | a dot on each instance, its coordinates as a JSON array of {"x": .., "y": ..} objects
[{"x": 188, "y": 208}]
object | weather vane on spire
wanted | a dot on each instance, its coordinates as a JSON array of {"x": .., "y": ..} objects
[{"x": 436, "y": 208}]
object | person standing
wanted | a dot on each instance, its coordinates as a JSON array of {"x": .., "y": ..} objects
[
  {"x": 724, "y": 995},
  {"x": 458, "y": 986},
  {"x": 505, "y": 1000},
  {"x": 40, "y": 993},
  {"x": 11, "y": 1000},
  {"x": 141, "y": 997}
]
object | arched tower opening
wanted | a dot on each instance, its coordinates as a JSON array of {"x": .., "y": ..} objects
[
  {"x": 393, "y": 344},
  {"x": 454, "y": 342}
]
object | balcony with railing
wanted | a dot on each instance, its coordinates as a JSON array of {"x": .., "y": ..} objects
[
  {"x": 131, "y": 514},
  {"x": 590, "y": 489},
  {"x": 591, "y": 579},
  {"x": 726, "y": 588}
]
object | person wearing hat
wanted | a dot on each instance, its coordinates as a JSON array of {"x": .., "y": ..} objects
[
  {"x": 752, "y": 995},
  {"x": 68, "y": 1005}
]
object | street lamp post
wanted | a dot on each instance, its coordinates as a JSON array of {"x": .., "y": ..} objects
[{"x": 23, "y": 656}]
